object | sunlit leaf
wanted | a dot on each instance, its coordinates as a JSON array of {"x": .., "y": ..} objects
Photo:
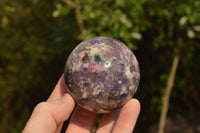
[
  {"x": 5, "y": 22},
  {"x": 190, "y": 34},
  {"x": 196, "y": 28},
  {"x": 9, "y": 8},
  {"x": 183, "y": 21},
  {"x": 136, "y": 35}
]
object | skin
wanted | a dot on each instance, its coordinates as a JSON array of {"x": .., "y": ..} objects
[{"x": 48, "y": 117}]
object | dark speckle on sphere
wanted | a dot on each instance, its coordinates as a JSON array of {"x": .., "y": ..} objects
[{"x": 102, "y": 74}]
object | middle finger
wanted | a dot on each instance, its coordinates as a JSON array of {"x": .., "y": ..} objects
[{"x": 82, "y": 121}]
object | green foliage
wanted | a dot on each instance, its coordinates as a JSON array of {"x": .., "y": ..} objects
[
  {"x": 36, "y": 37},
  {"x": 31, "y": 58},
  {"x": 120, "y": 21}
]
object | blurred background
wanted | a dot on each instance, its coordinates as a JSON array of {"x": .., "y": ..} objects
[{"x": 36, "y": 37}]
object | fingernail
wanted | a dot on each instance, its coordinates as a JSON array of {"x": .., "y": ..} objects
[{"x": 63, "y": 98}]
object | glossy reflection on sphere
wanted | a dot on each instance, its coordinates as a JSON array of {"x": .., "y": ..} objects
[{"x": 102, "y": 74}]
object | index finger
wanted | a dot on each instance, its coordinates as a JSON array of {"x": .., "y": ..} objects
[
  {"x": 59, "y": 90},
  {"x": 57, "y": 93}
]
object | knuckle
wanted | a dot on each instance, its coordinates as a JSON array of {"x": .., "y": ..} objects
[{"x": 41, "y": 107}]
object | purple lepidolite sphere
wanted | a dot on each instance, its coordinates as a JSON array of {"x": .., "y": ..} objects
[{"x": 102, "y": 74}]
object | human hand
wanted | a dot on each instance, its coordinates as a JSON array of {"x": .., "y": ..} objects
[{"x": 48, "y": 117}]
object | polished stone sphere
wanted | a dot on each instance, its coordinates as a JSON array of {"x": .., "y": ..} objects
[{"x": 102, "y": 74}]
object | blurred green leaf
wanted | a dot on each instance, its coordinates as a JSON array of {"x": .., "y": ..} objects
[
  {"x": 183, "y": 21},
  {"x": 5, "y": 23},
  {"x": 60, "y": 10},
  {"x": 196, "y": 28},
  {"x": 136, "y": 35},
  {"x": 190, "y": 34},
  {"x": 10, "y": 8}
]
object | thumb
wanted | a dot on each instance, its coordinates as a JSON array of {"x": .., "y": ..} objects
[
  {"x": 47, "y": 115},
  {"x": 61, "y": 109}
]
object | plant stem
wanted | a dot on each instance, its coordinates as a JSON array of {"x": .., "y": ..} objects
[
  {"x": 166, "y": 97},
  {"x": 79, "y": 16}
]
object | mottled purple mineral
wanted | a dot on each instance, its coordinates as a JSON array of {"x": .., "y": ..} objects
[{"x": 102, "y": 74}]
